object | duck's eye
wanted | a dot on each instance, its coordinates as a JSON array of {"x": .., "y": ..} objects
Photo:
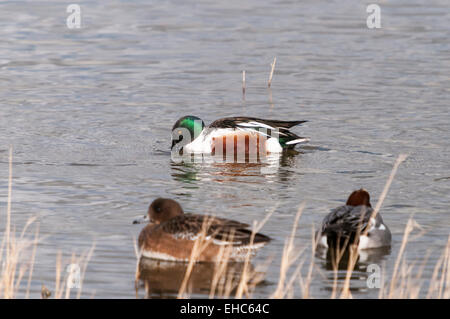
[{"x": 158, "y": 209}]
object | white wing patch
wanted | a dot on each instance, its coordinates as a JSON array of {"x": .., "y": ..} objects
[
  {"x": 299, "y": 140},
  {"x": 363, "y": 242},
  {"x": 323, "y": 241},
  {"x": 255, "y": 124},
  {"x": 161, "y": 256},
  {"x": 241, "y": 252},
  {"x": 194, "y": 237},
  {"x": 189, "y": 236},
  {"x": 252, "y": 130}
]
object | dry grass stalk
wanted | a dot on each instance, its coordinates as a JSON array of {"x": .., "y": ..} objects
[
  {"x": 58, "y": 276},
  {"x": 410, "y": 226},
  {"x": 243, "y": 82},
  {"x": 304, "y": 285},
  {"x": 199, "y": 245},
  {"x": 352, "y": 249},
  {"x": 271, "y": 71},
  {"x": 400, "y": 159},
  {"x": 63, "y": 290},
  {"x": 407, "y": 280},
  {"x": 246, "y": 276},
  {"x": 33, "y": 255},
  {"x": 440, "y": 287},
  {"x": 288, "y": 258},
  {"x": 83, "y": 261},
  {"x": 419, "y": 276},
  {"x": 353, "y": 258},
  {"x": 8, "y": 209},
  {"x": 223, "y": 282},
  {"x": 138, "y": 254},
  {"x": 403, "y": 283},
  {"x": 13, "y": 250},
  {"x": 218, "y": 283},
  {"x": 336, "y": 255},
  {"x": 382, "y": 282}
]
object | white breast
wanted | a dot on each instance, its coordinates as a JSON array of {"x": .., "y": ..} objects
[{"x": 273, "y": 145}]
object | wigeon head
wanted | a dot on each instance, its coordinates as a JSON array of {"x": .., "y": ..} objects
[
  {"x": 163, "y": 209},
  {"x": 359, "y": 197}
]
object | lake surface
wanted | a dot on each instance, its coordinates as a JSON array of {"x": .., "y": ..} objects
[{"x": 89, "y": 114}]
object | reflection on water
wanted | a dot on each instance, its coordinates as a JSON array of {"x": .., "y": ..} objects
[
  {"x": 365, "y": 257},
  {"x": 163, "y": 279},
  {"x": 198, "y": 166},
  {"x": 337, "y": 263}
]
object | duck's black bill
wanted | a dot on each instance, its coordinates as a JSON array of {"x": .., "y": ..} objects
[{"x": 141, "y": 220}]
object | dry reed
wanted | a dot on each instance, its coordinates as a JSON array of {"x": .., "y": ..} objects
[
  {"x": 17, "y": 256},
  {"x": 269, "y": 84},
  {"x": 402, "y": 284},
  {"x": 18, "y": 253},
  {"x": 243, "y": 82}
]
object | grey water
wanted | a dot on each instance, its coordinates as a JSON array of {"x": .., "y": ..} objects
[{"x": 89, "y": 113}]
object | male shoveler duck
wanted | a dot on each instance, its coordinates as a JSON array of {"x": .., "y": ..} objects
[
  {"x": 171, "y": 235},
  {"x": 343, "y": 225},
  {"x": 268, "y": 136}
]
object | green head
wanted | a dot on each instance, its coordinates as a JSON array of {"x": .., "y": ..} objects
[{"x": 186, "y": 129}]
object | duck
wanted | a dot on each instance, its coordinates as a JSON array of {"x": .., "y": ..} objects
[
  {"x": 171, "y": 235},
  {"x": 190, "y": 134},
  {"x": 344, "y": 224}
]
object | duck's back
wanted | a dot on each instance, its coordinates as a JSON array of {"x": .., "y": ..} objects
[{"x": 343, "y": 224}]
